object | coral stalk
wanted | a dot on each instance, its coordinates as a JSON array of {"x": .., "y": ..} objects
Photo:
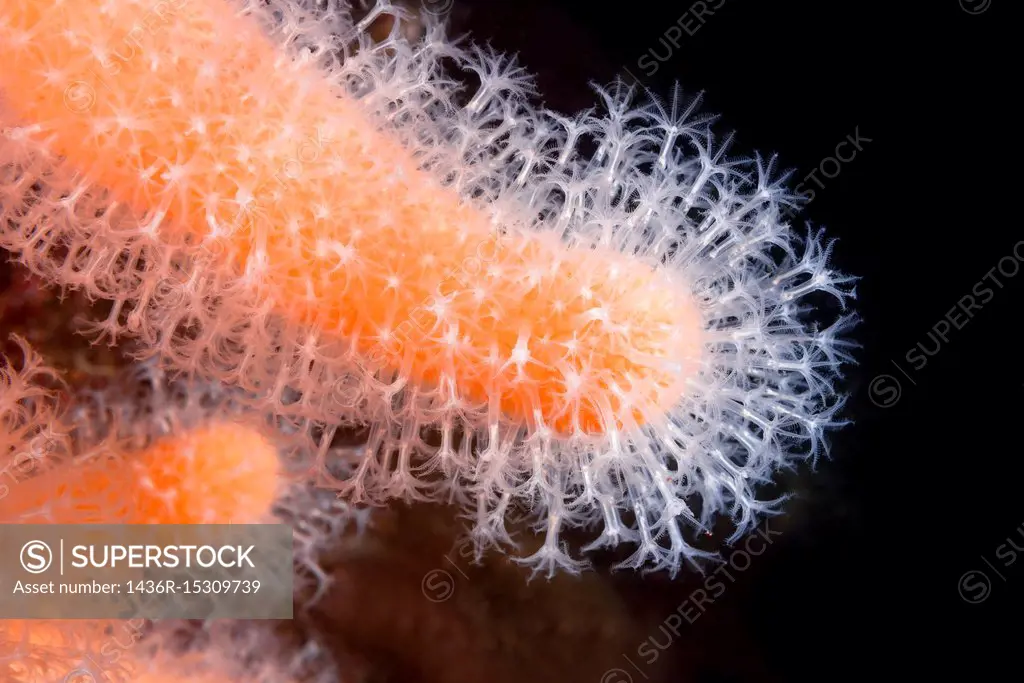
[
  {"x": 344, "y": 233},
  {"x": 605, "y": 318}
]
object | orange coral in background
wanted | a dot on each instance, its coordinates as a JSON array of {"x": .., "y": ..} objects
[
  {"x": 217, "y": 474},
  {"x": 220, "y": 472}
]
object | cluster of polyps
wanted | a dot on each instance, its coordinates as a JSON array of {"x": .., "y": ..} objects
[{"x": 635, "y": 355}]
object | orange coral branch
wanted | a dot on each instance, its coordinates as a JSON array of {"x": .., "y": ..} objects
[{"x": 342, "y": 232}]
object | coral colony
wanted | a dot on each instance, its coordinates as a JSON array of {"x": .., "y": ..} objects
[{"x": 603, "y": 319}]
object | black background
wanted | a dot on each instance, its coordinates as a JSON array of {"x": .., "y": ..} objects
[{"x": 924, "y": 489}]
